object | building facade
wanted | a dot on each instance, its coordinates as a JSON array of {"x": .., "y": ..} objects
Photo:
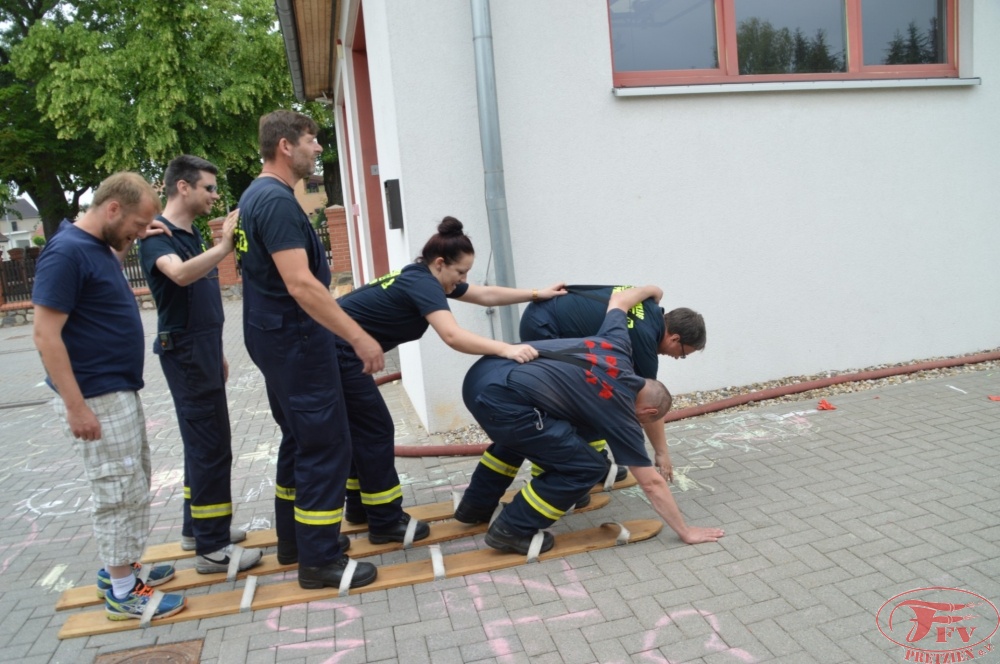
[{"x": 821, "y": 185}]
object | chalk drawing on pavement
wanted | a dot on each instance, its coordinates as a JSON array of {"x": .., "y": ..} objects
[{"x": 743, "y": 431}]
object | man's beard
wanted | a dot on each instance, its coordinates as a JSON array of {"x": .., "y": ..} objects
[{"x": 112, "y": 236}]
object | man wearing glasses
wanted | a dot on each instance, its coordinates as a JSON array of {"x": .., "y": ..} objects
[
  {"x": 676, "y": 333},
  {"x": 182, "y": 276}
]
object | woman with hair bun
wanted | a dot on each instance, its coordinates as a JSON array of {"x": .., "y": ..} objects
[{"x": 394, "y": 309}]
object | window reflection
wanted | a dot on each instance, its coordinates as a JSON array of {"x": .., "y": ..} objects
[
  {"x": 653, "y": 35},
  {"x": 781, "y": 37},
  {"x": 903, "y": 32}
]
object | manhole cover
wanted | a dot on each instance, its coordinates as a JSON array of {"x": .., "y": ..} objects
[{"x": 185, "y": 652}]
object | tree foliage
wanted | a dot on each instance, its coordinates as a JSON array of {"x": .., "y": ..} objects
[
  {"x": 54, "y": 172},
  {"x": 915, "y": 48},
  {"x": 137, "y": 82},
  {"x": 763, "y": 49}
]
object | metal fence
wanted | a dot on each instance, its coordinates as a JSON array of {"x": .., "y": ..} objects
[
  {"x": 17, "y": 278},
  {"x": 133, "y": 269}
]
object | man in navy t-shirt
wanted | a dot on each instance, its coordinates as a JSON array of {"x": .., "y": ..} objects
[
  {"x": 547, "y": 411},
  {"x": 676, "y": 333},
  {"x": 290, "y": 320},
  {"x": 89, "y": 334}
]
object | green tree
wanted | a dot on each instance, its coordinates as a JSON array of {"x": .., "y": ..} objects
[
  {"x": 33, "y": 159},
  {"x": 147, "y": 80},
  {"x": 915, "y": 47},
  {"x": 330, "y": 159},
  {"x": 762, "y": 49}
]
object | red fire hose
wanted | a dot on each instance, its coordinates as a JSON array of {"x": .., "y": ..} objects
[{"x": 722, "y": 404}]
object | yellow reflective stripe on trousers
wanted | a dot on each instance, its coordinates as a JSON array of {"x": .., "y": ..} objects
[
  {"x": 187, "y": 493},
  {"x": 536, "y": 470},
  {"x": 599, "y": 445},
  {"x": 539, "y": 505},
  {"x": 284, "y": 493},
  {"x": 211, "y": 511},
  {"x": 382, "y": 497},
  {"x": 327, "y": 518},
  {"x": 498, "y": 466},
  {"x": 353, "y": 484}
]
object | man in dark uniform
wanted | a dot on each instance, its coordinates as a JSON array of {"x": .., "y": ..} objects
[
  {"x": 182, "y": 276},
  {"x": 547, "y": 411},
  {"x": 289, "y": 322},
  {"x": 677, "y": 333}
]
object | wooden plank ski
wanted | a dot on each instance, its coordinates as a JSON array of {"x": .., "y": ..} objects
[
  {"x": 75, "y": 598},
  {"x": 389, "y": 576},
  {"x": 259, "y": 539}
]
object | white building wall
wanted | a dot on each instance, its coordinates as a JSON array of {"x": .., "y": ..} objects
[{"x": 815, "y": 231}]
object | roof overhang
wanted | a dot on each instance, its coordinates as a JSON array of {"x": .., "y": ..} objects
[{"x": 309, "y": 29}]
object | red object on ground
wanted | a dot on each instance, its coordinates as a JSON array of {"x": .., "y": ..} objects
[
  {"x": 995, "y": 397},
  {"x": 825, "y": 405}
]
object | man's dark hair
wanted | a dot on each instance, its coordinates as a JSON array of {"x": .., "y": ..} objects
[
  {"x": 690, "y": 325},
  {"x": 283, "y": 124},
  {"x": 188, "y": 168}
]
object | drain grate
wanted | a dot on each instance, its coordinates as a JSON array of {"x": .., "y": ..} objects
[{"x": 185, "y": 652}]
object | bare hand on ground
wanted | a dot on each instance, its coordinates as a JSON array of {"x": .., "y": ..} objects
[{"x": 699, "y": 535}]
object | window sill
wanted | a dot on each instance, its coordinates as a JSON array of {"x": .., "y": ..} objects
[{"x": 725, "y": 88}]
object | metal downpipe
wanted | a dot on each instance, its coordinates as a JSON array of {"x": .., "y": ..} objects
[{"x": 489, "y": 136}]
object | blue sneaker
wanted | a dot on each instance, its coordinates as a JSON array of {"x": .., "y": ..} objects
[
  {"x": 133, "y": 605},
  {"x": 157, "y": 574}
]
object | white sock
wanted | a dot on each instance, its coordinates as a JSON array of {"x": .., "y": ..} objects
[{"x": 123, "y": 586}]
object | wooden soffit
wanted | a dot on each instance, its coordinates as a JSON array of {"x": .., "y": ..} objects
[{"x": 314, "y": 40}]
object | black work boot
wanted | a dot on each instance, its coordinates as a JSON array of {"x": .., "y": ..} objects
[
  {"x": 314, "y": 578},
  {"x": 466, "y": 513},
  {"x": 583, "y": 502},
  {"x": 397, "y": 531},
  {"x": 355, "y": 514},
  {"x": 500, "y": 537},
  {"x": 288, "y": 552},
  {"x": 620, "y": 474}
]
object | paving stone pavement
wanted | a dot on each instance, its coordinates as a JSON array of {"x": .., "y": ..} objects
[{"x": 828, "y": 515}]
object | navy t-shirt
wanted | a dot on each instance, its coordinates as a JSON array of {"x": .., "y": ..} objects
[
  {"x": 79, "y": 275},
  {"x": 599, "y": 401},
  {"x": 180, "y": 308},
  {"x": 271, "y": 220},
  {"x": 393, "y": 308},
  {"x": 581, "y": 313}
]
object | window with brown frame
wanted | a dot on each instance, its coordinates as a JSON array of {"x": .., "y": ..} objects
[{"x": 690, "y": 42}]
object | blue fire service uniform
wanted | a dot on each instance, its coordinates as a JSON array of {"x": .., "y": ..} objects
[
  {"x": 393, "y": 310},
  {"x": 581, "y": 313},
  {"x": 189, "y": 345},
  {"x": 546, "y": 411},
  {"x": 298, "y": 358}
]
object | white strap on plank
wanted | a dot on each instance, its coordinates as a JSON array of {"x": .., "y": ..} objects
[
  {"x": 437, "y": 562},
  {"x": 411, "y": 529},
  {"x": 150, "y": 609},
  {"x": 345, "y": 580},
  {"x": 609, "y": 481},
  {"x": 535, "y": 547},
  {"x": 456, "y": 498},
  {"x": 623, "y": 533},
  {"x": 234, "y": 562},
  {"x": 496, "y": 513},
  {"x": 248, "y": 592},
  {"x": 144, "y": 572}
]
